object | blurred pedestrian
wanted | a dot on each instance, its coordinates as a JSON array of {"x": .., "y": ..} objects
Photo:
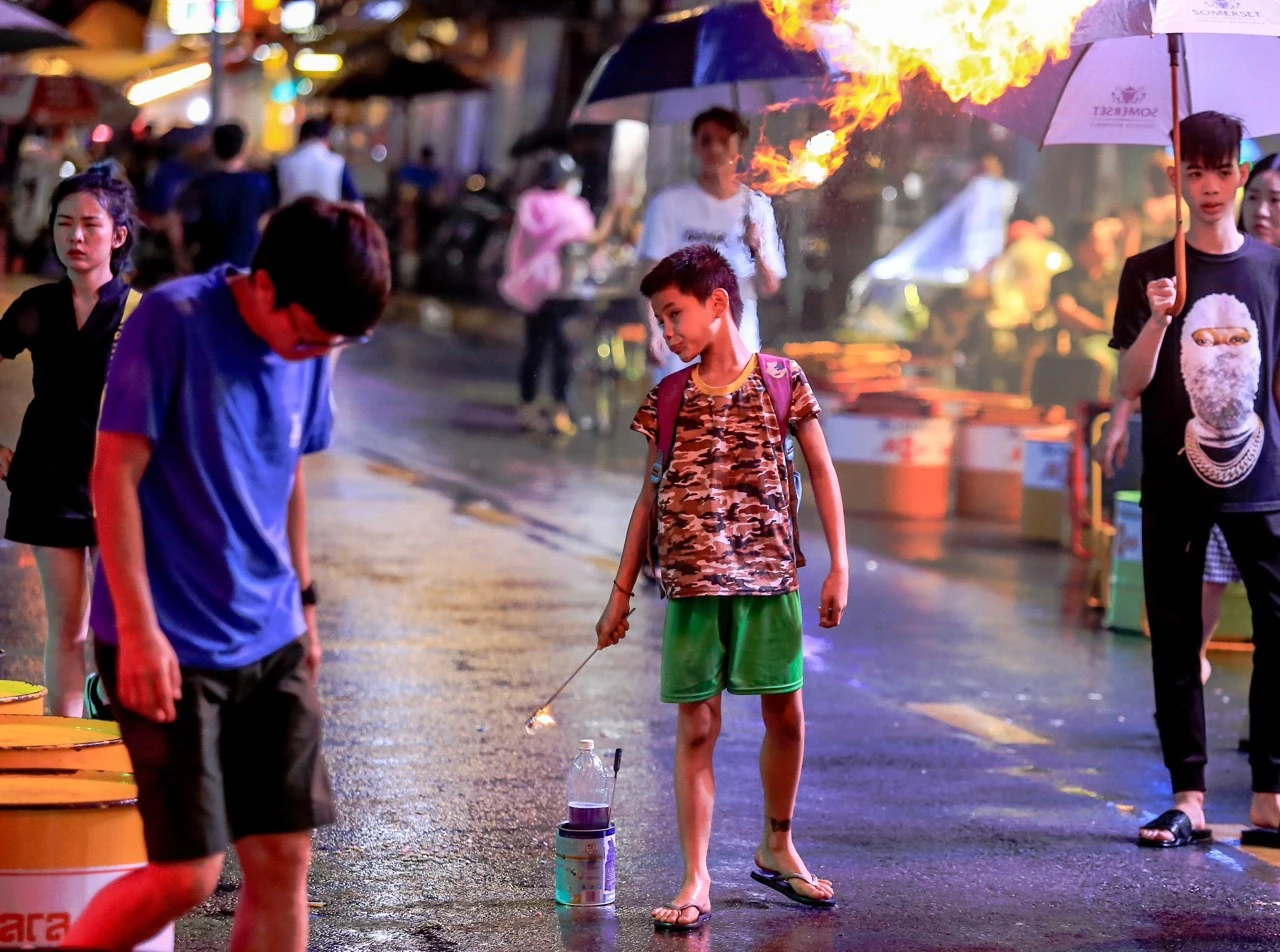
[
  {"x": 204, "y": 611},
  {"x": 1208, "y": 406},
  {"x": 69, "y": 327},
  {"x": 314, "y": 169},
  {"x": 223, "y": 210},
  {"x": 716, "y": 209},
  {"x": 720, "y": 493},
  {"x": 549, "y": 216}
]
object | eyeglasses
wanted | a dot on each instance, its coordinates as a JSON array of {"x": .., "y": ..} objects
[{"x": 303, "y": 343}]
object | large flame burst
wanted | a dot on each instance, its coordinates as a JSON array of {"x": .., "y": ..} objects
[{"x": 972, "y": 49}]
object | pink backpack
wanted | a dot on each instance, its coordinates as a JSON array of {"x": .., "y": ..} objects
[{"x": 776, "y": 372}]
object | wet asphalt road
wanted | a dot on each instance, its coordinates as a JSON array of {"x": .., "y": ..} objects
[{"x": 463, "y": 567}]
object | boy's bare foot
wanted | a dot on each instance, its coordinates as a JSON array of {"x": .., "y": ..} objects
[
  {"x": 783, "y": 858},
  {"x": 1264, "y": 812},
  {"x": 1190, "y": 802},
  {"x": 696, "y": 891}
]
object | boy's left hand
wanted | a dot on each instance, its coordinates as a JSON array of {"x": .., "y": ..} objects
[{"x": 835, "y": 597}]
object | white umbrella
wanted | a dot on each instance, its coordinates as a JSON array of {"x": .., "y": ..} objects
[{"x": 1135, "y": 65}]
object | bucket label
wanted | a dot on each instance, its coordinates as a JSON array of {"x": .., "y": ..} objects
[
  {"x": 37, "y": 908},
  {"x": 1128, "y": 544},
  {"x": 886, "y": 441},
  {"x": 586, "y": 870},
  {"x": 1045, "y": 465},
  {"x": 991, "y": 449}
]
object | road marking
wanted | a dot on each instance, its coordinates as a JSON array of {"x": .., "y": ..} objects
[
  {"x": 484, "y": 511},
  {"x": 975, "y": 722}
]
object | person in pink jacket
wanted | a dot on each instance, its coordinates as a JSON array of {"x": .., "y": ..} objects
[{"x": 549, "y": 216}]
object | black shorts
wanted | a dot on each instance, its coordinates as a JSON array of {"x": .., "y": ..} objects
[
  {"x": 241, "y": 759},
  {"x": 40, "y": 521}
]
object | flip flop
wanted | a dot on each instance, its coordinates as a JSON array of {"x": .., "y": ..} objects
[
  {"x": 1260, "y": 836},
  {"x": 679, "y": 926},
  {"x": 1179, "y": 824},
  {"x": 782, "y": 883}
]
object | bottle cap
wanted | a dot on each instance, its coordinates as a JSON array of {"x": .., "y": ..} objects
[{"x": 586, "y": 745}]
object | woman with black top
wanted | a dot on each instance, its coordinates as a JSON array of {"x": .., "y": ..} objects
[{"x": 69, "y": 327}]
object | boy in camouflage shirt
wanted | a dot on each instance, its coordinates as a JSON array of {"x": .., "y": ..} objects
[{"x": 728, "y": 561}]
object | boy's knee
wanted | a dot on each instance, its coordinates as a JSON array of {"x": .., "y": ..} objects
[
  {"x": 191, "y": 882},
  {"x": 699, "y": 723},
  {"x": 783, "y": 715},
  {"x": 275, "y": 858}
]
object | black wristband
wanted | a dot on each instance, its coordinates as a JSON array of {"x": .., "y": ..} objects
[{"x": 309, "y": 595}]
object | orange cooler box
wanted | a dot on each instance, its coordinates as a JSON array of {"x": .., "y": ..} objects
[
  {"x": 29, "y": 741},
  {"x": 989, "y": 472},
  {"x": 19, "y": 697},
  {"x": 893, "y": 466},
  {"x": 63, "y": 836}
]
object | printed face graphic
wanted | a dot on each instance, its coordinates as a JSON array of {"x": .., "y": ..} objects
[{"x": 1221, "y": 366}]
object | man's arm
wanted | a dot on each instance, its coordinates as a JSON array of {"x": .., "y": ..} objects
[
  {"x": 349, "y": 191},
  {"x": 148, "y": 679},
  {"x": 302, "y": 565},
  {"x": 613, "y": 625},
  {"x": 1138, "y": 362},
  {"x": 1079, "y": 316},
  {"x": 826, "y": 492}
]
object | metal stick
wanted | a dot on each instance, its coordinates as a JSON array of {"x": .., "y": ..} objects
[
  {"x": 594, "y": 652},
  {"x": 617, "y": 762}
]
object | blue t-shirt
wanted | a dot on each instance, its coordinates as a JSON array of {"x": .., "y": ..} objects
[
  {"x": 228, "y": 420},
  {"x": 222, "y": 211}
]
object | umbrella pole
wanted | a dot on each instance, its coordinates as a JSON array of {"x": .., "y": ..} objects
[{"x": 1180, "y": 236}]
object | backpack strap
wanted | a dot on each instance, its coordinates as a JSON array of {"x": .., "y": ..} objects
[
  {"x": 670, "y": 399},
  {"x": 778, "y": 383},
  {"x": 671, "y": 391},
  {"x": 131, "y": 302}
]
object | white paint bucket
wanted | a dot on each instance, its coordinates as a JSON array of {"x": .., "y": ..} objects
[{"x": 586, "y": 866}]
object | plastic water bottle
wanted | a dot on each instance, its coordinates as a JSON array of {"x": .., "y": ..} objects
[{"x": 588, "y": 790}]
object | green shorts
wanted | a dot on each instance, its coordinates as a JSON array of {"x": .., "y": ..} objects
[{"x": 748, "y": 644}]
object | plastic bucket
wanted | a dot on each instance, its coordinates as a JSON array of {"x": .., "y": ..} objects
[
  {"x": 586, "y": 866},
  {"x": 1126, "y": 608},
  {"x": 63, "y": 836},
  {"x": 989, "y": 472},
  {"x": 893, "y": 466},
  {"x": 1046, "y": 469},
  {"x": 29, "y": 742},
  {"x": 19, "y": 697}
]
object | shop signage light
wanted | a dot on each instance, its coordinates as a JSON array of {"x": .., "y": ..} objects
[
  {"x": 309, "y": 61},
  {"x": 157, "y": 87},
  {"x": 187, "y": 17}
]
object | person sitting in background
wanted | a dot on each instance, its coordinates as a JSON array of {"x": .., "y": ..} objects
[{"x": 223, "y": 210}]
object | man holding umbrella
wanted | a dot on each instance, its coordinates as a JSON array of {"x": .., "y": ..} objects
[
  {"x": 1207, "y": 378},
  {"x": 716, "y": 209}
]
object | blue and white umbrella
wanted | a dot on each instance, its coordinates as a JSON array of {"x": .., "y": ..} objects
[{"x": 675, "y": 66}]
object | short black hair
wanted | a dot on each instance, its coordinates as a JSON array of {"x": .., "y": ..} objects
[
  {"x": 696, "y": 270},
  {"x": 330, "y": 258},
  {"x": 228, "y": 141},
  {"x": 1211, "y": 139},
  {"x": 721, "y": 117},
  {"x": 314, "y": 128}
]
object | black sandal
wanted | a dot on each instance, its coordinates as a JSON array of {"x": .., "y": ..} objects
[
  {"x": 1179, "y": 824},
  {"x": 679, "y": 926},
  {"x": 782, "y": 883}
]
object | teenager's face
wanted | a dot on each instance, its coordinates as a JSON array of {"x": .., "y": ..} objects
[
  {"x": 1210, "y": 189},
  {"x": 83, "y": 234},
  {"x": 688, "y": 325},
  {"x": 1260, "y": 212},
  {"x": 717, "y": 148}
]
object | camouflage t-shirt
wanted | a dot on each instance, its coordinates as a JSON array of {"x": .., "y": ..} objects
[{"x": 724, "y": 526}]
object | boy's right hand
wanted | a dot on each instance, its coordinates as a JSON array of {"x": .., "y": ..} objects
[
  {"x": 613, "y": 625},
  {"x": 1161, "y": 294}
]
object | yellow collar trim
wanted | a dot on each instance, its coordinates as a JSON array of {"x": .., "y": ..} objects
[{"x": 727, "y": 389}]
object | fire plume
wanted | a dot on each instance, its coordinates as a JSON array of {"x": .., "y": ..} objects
[{"x": 971, "y": 49}]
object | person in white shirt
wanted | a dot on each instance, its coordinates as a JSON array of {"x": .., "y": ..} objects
[
  {"x": 716, "y": 209},
  {"x": 314, "y": 169}
]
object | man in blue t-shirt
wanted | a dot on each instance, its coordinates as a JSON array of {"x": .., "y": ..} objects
[
  {"x": 1207, "y": 378},
  {"x": 203, "y": 609},
  {"x": 222, "y": 210}
]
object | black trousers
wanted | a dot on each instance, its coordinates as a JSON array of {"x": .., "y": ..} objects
[
  {"x": 1174, "y": 540},
  {"x": 543, "y": 329}
]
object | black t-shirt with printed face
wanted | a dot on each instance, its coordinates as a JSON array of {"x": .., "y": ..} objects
[{"x": 1210, "y": 428}]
